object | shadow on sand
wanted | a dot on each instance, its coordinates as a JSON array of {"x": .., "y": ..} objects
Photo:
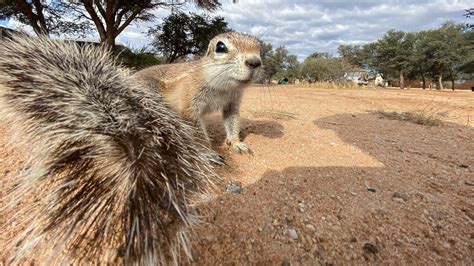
[{"x": 335, "y": 215}]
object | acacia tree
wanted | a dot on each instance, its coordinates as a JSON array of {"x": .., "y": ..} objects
[
  {"x": 324, "y": 68},
  {"x": 352, "y": 54},
  {"x": 181, "y": 35},
  {"x": 282, "y": 63},
  {"x": 45, "y": 19},
  {"x": 110, "y": 17},
  {"x": 270, "y": 67},
  {"x": 421, "y": 63},
  {"x": 393, "y": 53},
  {"x": 469, "y": 14},
  {"x": 446, "y": 48}
]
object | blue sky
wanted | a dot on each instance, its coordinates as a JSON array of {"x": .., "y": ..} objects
[{"x": 307, "y": 26}]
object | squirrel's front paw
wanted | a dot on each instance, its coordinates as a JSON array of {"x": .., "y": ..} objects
[{"x": 240, "y": 147}]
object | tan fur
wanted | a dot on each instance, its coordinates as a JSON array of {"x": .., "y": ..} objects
[{"x": 214, "y": 83}]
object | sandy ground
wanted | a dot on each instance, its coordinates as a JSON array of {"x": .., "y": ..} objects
[{"x": 330, "y": 182}]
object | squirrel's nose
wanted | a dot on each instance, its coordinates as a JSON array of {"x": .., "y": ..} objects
[{"x": 253, "y": 62}]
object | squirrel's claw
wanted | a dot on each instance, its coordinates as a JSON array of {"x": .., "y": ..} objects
[{"x": 242, "y": 148}]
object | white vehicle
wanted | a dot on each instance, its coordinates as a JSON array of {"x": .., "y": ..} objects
[{"x": 362, "y": 77}]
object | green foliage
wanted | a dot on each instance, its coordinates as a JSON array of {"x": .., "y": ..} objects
[
  {"x": 393, "y": 52},
  {"x": 45, "y": 18},
  {"x": 469, "y": 14},
  {"x": 279, "y": 63},
  {"x": 139, "y": 58},
  {"x": 352, "y": 54},
  {"x": 444, "y": 52},
  {"x": 110, "y": 18},
  {"x": 323, "y": 68},
  {"x": 319, "y": 55},
  {"x": 183, "y": 34}
]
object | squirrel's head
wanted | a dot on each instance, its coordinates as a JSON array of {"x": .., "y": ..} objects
[{"x": 232, "y": 60}]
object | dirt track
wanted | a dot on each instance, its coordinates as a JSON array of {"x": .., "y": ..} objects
[{"x": 317, "y": 153}]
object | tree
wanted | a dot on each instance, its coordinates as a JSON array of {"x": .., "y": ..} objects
[
  {"x": 269, "y": 68},
  {"x": 182, "y": 35},
  {"x": 469, "y": 14},
  {"x": 393, "y": 53},
  {"x": 324, "y": 69},
  {"x": 467, "y": 66},
  {"x": 319, "y": 55},
  {"x": 420, "y": 60},
  {"x": 352, "y": 54},
  {"x": 445, "y": 51},
  {"x": 284, "y": 64},
  {"x": 110, "y": 17},
  {"x": 45, "y": 19}
]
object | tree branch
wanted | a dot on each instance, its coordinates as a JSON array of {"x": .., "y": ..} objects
[
  {"x": 40, "y": 16},
  {"x": 27, "y": 9},
  {"x": 128, "y": 21},
  {"x": 119, "y": 17},
  {"x": 95, "y": 18},
  {"x": 100, "y": 8}
]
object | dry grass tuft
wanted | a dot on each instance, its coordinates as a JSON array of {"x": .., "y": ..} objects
[
  {"x": 332, "y": 85},
  {"x": 274, "y": 114},
  {"x": 420, "y": 117}
]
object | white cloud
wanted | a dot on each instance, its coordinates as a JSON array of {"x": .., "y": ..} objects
[{"x": 307, "y": 26}]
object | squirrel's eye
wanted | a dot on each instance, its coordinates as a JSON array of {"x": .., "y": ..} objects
[{"x": 221, "y": 48}]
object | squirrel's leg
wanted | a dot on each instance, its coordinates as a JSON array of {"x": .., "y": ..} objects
[
  {"x": 202, "y": 127},
  {"x": 232, "y": 126},
  {"x": 215, "y": 157}
]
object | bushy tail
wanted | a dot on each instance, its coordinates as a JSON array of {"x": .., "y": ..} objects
[{"x": 115, "y": 173}]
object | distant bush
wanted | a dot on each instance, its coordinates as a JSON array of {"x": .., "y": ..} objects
[{"x": 139, "y": 59}]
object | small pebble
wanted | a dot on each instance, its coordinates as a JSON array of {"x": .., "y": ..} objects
[
  {"x": 267, "y": 229},
  {"x": 400, "y": 195},
  {"x": 369, "y": 247},
  {"x": 371, "y": 189},
  {"x": 381, "y": 211},
  {"x": 399, "y": 200},
  {"x": 310, "y": 227},
  {"x": 210, "y": 238},
  {"x": 285, "y": 263},
  {"x": 194, "y": 256},
  {"x": 292, "y": 234},
  {"x": 233, "y": 187}
]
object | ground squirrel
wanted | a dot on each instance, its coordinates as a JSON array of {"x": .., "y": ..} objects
[
  {"x": 213, "y": 83},
  {"x": 114, "y": 174}
]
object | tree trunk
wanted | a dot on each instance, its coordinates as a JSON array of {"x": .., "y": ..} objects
[
  {"x": 110, "y": 39},
  {"x": 452, "y": 84},
  {"x": 109, "y": 22},
  {"x": 439, "y": 84},
  {"x": 40, "y": 18},
  {"x": 402, "y": 81},
  {"x": 423, "y": 80}
]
